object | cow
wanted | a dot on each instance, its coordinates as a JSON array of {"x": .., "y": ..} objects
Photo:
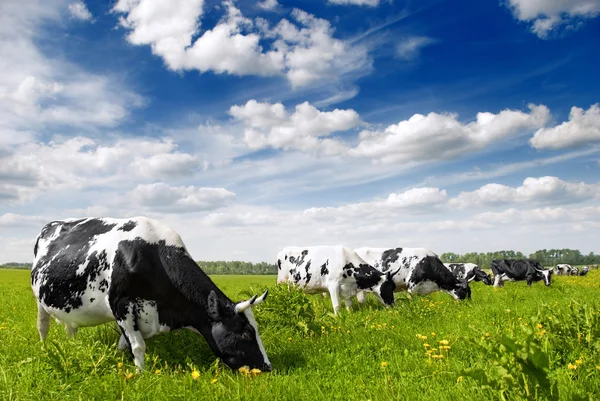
[
  {"x": 564, "y": 269},
  {"x": 469, "y": 272},
  {"x": 419, "y": 271},
  {"x": 518, "y": 270},
  {"x": 336, "y": 269},
  {"x": 138, "y": 273},
  {"x": 584, "y": 270}
]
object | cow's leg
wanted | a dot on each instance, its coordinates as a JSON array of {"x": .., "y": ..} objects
[
  {"x": 126, "y": 313},
  {"x": 348, "y": 302},
  {"x": 361, "y": 296},
  {"x": 70, "y": 330},
  {"x": 334, "y": 291},
  {"x": 123, "y": 344},
  {"x": 43, "y": 322},
  {"x": 498, "y": 281}
]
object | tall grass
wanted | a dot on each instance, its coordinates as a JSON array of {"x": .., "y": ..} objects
[{"x": 510, "y": 343}]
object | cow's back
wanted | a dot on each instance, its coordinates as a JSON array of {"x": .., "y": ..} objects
[
  {"x": 402, "y": 260},
  {"x": 74, "y": 262}
]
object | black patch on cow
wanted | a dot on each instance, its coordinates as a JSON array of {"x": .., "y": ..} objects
[
  {"x": 35, "y": 247},
  {"x": 458, "y": 269},
  {"x": 366, "y": 276},
  {"x": 92, "y": 299},
  {"x": 324, "y": 270},
  {"x": 130, "y": 225},
  {"x": 62, "y": 287},
  {"x": 388, "y": 257},
  {"x": 278, "y": 264},
  {"x": 431, "y": 268},
  {"x": 307, "y": 268}
]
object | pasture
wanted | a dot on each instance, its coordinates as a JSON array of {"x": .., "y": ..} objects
[{"x": 513, "y": 343}]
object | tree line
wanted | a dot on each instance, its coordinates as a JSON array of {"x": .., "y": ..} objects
[{"x": 547, "y": 257}]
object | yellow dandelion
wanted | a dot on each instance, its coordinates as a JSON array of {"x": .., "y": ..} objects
[
  {"x": 549, "y": 317},
  {"x": 482, "y": 337},
  {"x": 213, "y": 381},
  {"x": 444, "y": 342},
  {"x": 598, "y": 367},
  {"x": 289, "y": 338},
  {"x": 432, "y": 334},
  {"x": 520, "y": 318},
  {"x": 487, "y": 334},
  {"x": 119, "y": 365},
  {"x": 428, "y": 353},
  {"x": 157, "y": 372},
  {"x": 393, "y": 327},
  {"x": 460, "y": 378},
  {"x": 572, "y": 367},
  {"x": 348, "y": 332},
  {"x": 195, "y": 374},
  {"x": 578, "y": 362},
  {"x": 426, "y": 345},
  {"x": 244, "y": 369},
  {"x": 256, "y": 371},
  {"x": 384, "y": 364},
  {"x": 129, "y": 376},
  {"x": 539, "y": 326}
]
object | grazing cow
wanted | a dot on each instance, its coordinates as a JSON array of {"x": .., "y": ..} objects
[
  {"x": 584, "y": 270},
  {"x": 138, "y": 273},
  {"x": 420, "y": 271},
  {"x": 336, "y": 269},
  {"x": 564, "y": 269},
  {"x": 519, "y": 269},
  {"x": 469, "y": 272}
]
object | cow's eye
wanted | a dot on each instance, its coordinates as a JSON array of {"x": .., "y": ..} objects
[{"x": 246, "y": 337}]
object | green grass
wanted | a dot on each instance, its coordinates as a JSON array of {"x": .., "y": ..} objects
[{"x": 326, "y": 357}]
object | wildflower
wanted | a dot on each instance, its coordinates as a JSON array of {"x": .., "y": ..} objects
[
  {"x": 426, "y": 345},
  {"x": 289, "y": 338},
  {"x": 256, "y": 371},
  {"x": 572, "y": 367},
  {"x": 195, "y": 374},
  {"x": 129, "y": 376},
  {"x": 520, "y": 318},
  {"x": 384, "y": 364},
  {"x": 507, "y": 310},
  {"x": 578, "y": 362},
  {"x": 444, "y": 342},
  {"x": 432, "y": 334},
  {"x": 393, "y": 327},
  {"x": 487, "y": 334},
  {"x": 460, "y": 378},
  {"x": 244, "y": 369},
  {"x": 157, "y": 372},
  {"x": 539, "y": 326},
  {"x": 119, "y": 365},
  {"x": 213, "y": 381},
  {"x": 348, "y": 332},
  {"x": 598, "y": 367}
]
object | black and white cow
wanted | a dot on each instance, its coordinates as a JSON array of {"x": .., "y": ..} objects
[
  {"x": 419, "y": 271},
  {"x": 563, "y": 269},
  {"x": 584, "y": 270},
  {"x": 138, "y": 273},
  {"x": 336, "y": 269},
  {"x": 469, "y": 272},
  {"x": 518, "y": 270}
]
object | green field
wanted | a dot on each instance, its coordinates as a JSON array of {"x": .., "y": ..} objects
[{"x": 515, "y": 342}]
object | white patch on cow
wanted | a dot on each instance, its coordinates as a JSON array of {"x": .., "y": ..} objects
[
  {"x": 425, "y": 287},
  {"x": 250, "y": 316},
  {"x": 82, "y": 267}
]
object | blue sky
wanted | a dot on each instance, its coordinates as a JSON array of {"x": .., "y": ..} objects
[{"x": 249, "y": 126}]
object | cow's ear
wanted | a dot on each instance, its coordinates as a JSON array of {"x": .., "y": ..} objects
[{"x": 213, "y": 308}]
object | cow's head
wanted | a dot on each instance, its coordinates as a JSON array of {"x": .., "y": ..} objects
[
  {"x": 479, "y": 275},
  {"x": 546, "y": 275},
  {"x": 461, "y": 290},
  {"x": 584, "y": 271},
  {"x": 386, "y": 288},
  {"x": 235, "y": 333}
]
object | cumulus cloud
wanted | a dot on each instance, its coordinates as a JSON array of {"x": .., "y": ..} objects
[
  {"x": 547, "y": 16},
  {"x": 160, "y": 196},
  {"x": 33, "y": 168},
  {"x": 270, "y": 125},
  {"x": 409, "y": 48},
  {"x": 13, "y": 220},
  {"x": 582, "y": 128},
  {"x": 371, "y": 3},
  {"x": 78, "y": 10},
  {"x": 533, "y": 190},
  {"x": 304, "y": 51},
  {"x": 442, "y": 136},
  {"x": 268, "y": 4}
]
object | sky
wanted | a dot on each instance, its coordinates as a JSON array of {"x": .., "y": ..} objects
[{"x": 248, "y": 126}]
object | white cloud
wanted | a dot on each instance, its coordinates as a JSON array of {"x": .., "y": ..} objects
[
  {"x": 268, "y": 4},
  {"x": 160, "y": 196},
  {"x": 548, "y": 15},
  {"x": 533, "y": 190},
  {"x": 78, "y": 10},
  {"x": 13, "y": 220},
  {"x": 371, "y": 3},
  {"x": 582, "y": 128},
  {"x": 409, "y": 48},
  {"x": 306, "y": 53},
  {"x": 39, "y": 92},
  {"x": 270, "y": 125},
  {"x": 441, "y": 136}
]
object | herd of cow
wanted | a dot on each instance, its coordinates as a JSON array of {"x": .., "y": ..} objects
[{"x": 139, "y": 273}]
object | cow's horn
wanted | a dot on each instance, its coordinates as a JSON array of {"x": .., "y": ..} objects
[{"x": 243, "y": 305}]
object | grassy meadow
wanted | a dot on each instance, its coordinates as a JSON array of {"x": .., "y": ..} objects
[{"x": 510, "y": 343}]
